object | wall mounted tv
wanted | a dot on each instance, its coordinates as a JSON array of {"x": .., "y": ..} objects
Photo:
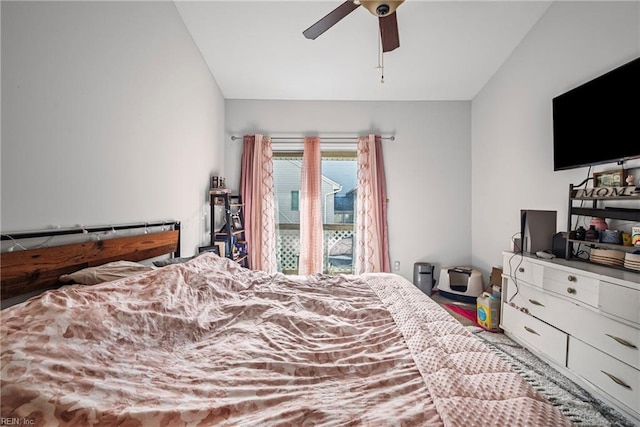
[{"x": 598, "y": 122}]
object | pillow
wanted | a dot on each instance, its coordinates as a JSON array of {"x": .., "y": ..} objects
[
  {"x": 104, "y": 273},
  {"x": 169, "y": 261}
]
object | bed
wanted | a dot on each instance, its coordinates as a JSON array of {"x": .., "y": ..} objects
[{"x": 203, "y": 341}]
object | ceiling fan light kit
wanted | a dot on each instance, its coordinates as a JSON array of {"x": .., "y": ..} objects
[
  {"x": 380, "y": 8},
  {"x": 385, "y": 10}
]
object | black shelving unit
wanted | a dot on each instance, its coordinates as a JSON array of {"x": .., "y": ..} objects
[
  {"x": 597, "y": 209},
  {"x": 232, "y": 232}
]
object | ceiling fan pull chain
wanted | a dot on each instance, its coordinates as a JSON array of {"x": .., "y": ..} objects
[
  {"x": 380, "y": 56},
  {"x": 385, "y": 11}
]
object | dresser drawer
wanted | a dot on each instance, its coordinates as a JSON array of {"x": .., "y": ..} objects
[
  {"x": 575, "y": 286},
  {"x": 619, "y": 340},
  {"x": 620, "y": 301},
  {"x": 617, "y": 379},
  {"x": 542, "y": 305},
  {"x": 519, "y": 268},
  {"x": 537, "y": 334}
]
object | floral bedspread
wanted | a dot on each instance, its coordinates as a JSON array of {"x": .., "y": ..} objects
[{"x": 209, "y": 343}]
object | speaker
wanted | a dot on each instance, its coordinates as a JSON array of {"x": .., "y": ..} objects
[
  {"x": 423, "y": 277},
  {"x": 559, "y": 247},
  {"x": 537, "y": 229}
]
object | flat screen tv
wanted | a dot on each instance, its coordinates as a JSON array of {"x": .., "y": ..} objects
[{"x": 599, "y": 121}]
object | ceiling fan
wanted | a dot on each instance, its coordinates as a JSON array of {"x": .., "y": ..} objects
[{"x": 384, "y": 10}]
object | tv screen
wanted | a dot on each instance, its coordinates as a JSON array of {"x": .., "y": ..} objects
[{"x": 599, "y": 121}]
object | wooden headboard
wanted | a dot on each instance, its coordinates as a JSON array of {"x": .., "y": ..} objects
[{"x": 25, "y": 271}]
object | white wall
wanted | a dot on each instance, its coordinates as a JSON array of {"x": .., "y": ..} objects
[
  {"x": 109, "y": 115},
  {"x": 428, "y": 166},
  {"x": 512, "y": 155}
]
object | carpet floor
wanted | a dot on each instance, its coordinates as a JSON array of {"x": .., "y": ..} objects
[{"x": 572, "y": 400}]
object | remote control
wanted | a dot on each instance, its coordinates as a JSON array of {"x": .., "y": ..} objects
[{"x": 543, "y": 254}]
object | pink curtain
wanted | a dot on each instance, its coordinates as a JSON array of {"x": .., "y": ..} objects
[
  {"x": 311, "y": 232},
  {"x": 256, "y": 188},
  {"x": 372, "y": 239}
]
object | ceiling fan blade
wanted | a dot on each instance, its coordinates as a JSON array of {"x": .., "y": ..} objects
[
  {"x": 389, "y": 32},
  {"x": 330, "y": 20}
]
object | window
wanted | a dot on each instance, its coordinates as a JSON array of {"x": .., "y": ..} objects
[{"x": 339, "y": 181}]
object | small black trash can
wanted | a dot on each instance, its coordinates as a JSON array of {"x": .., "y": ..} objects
[{"x": 423, "y": 277}]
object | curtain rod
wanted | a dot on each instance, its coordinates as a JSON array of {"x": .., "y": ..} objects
[{"x": 322, "y": 139}]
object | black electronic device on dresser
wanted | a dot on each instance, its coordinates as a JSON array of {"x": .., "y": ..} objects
[{"x": 560, "y": 248}]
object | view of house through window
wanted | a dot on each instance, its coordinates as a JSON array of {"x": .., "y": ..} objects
[{"x": 339, "y": 180}]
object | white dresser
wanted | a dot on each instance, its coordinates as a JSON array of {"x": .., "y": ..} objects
[{"x": 582, "y": 318}]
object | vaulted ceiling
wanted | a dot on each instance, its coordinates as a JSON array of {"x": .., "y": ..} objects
[{"x": 448, "y": 49}]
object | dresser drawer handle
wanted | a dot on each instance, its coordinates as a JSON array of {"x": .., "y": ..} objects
[
  {"x": 622, "y": 341},
  {"x": 572, "y": 291},
  {"x": 572, "y": 278},
  {"x": 521, "y": 270},
  {"x": 531, "y": 331},
  {"x": 617, "y": 380},
  {"x": 534, "y": 302}
]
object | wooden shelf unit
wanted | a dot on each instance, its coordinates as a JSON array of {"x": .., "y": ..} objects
[
  {"x": 598, "y": 210},
  {"x": 232, "y": 215}
]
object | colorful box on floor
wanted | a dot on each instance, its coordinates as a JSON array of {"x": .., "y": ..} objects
[{"x": 488, "y": 311}]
